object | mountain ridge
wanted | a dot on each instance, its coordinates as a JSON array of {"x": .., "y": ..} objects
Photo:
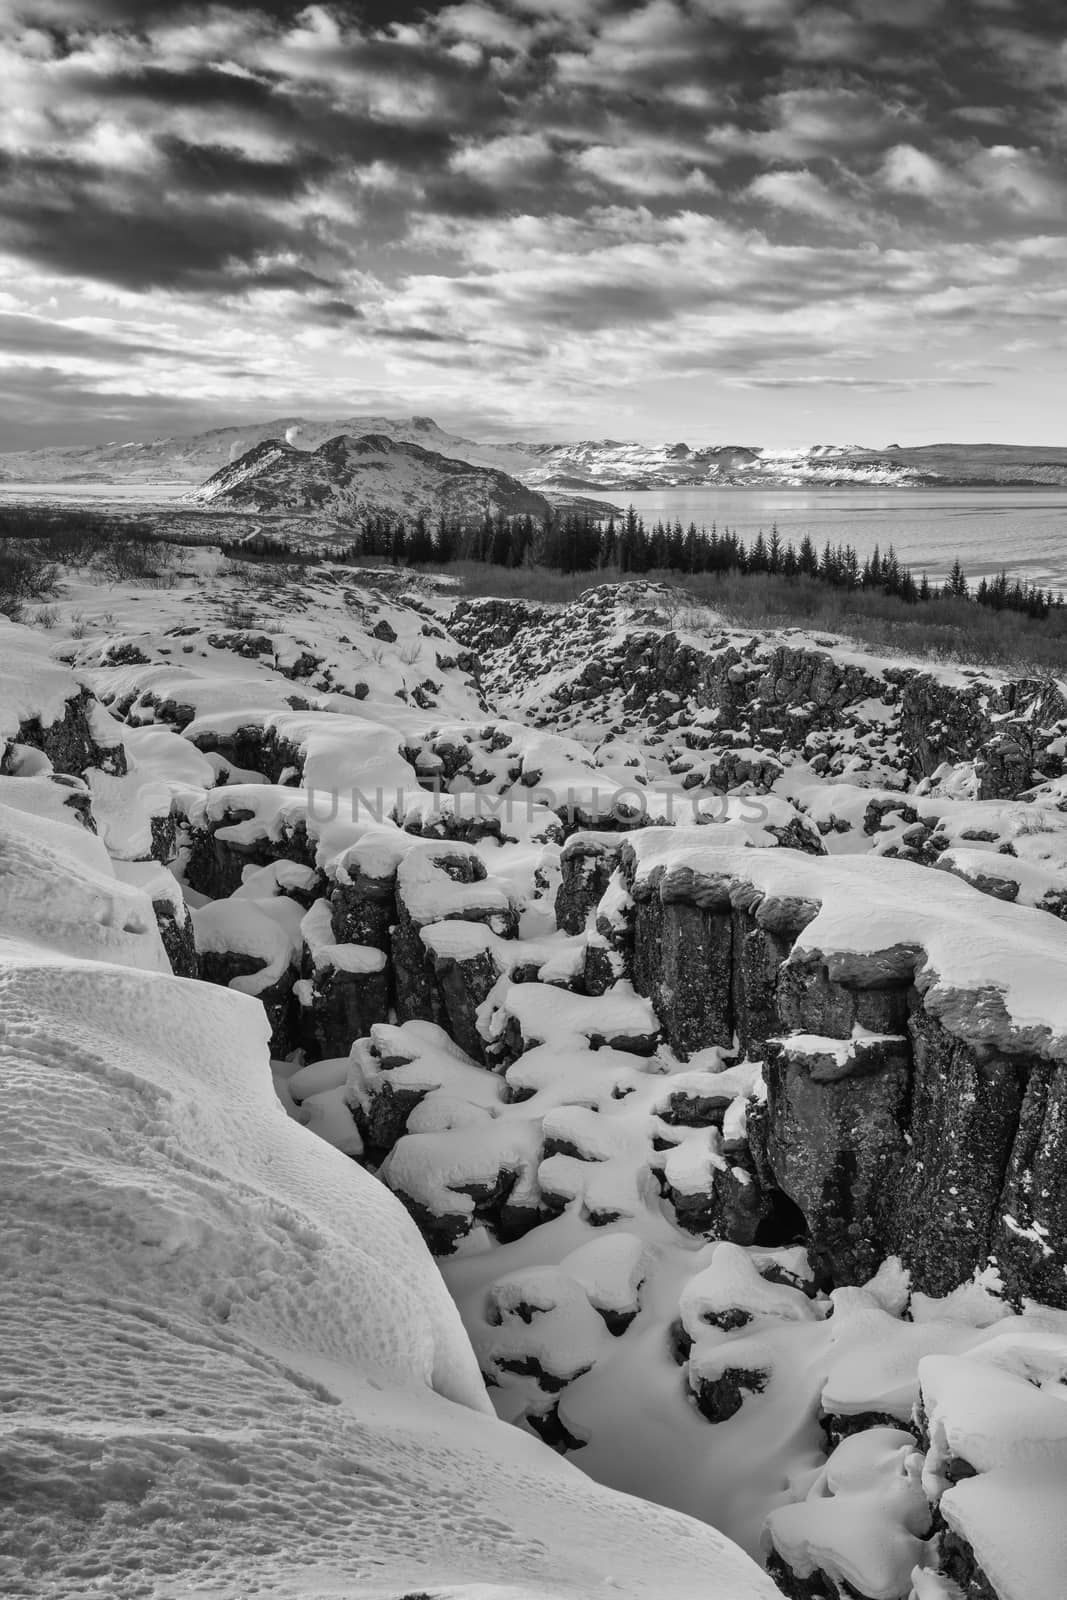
[
  {"x": 353, "y": 477},
  {"x": 597, "y": 465}
]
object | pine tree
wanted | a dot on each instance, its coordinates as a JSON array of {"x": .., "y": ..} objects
[
  {"x": 957, "y": 583},
  {"x": 807, "y": 560}
]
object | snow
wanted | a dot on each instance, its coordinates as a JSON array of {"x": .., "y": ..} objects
[
  {"x": 732, "y": 1282},
  {"x": 35, "y": 686},
  {"x": 58, "y": 888},
  {"x": 165, "y": 771},
  {"x": 265, "y": 930},
  {"x": 223, "y": 1336},
  {"x": 863, "y": 1521},
  {"x": 990, "y": 1417},
  {"x": 961, "y": 945},
  {"x": 428, "y": 892},
  {"x": 544, "y": 1013},
  {"x": 317, "y": 934},
  {"x": 1013, "y": 1521},
  {"x": 250, "y": 1373}
]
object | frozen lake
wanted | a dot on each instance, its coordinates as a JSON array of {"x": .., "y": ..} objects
[{"x": 1024, "y": 530}]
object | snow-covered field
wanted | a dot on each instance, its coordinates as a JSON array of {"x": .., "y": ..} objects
[{"x": 389, "y": 836}]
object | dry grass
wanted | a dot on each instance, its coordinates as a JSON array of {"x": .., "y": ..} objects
[
  {"x": 477, "y": 580},
  {"x": 942, "y": 630}
]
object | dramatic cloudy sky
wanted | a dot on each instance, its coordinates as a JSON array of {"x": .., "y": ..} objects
[{"x": 750, "y": 220}]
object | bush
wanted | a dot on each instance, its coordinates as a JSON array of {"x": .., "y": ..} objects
[
  {"x": 24, "y": 576},
  {"x": 138, "y": 559}
]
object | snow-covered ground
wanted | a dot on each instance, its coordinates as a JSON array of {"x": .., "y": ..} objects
[{"x": 232, "y": 1365}]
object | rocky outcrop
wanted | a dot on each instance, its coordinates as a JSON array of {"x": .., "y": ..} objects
[
  {"x": 226, "y": 839},
  {"x": 440, "y": 882},
  {"x": 345, "y": 988},
  {"x": 1005, "y": 727},
  {"x": 73, "y": 743},
  {"x": 903, "y": 1115},
  {"x": 843, "y": 712}
]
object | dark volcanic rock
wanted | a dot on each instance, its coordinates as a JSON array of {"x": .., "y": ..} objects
[
  {"x": 176, "y": 931},
  {"x": 835, "y": 1142},
  {"x": 71, "y": 743}
]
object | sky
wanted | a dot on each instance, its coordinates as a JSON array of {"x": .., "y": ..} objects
[{"x": 721, "y": 221}]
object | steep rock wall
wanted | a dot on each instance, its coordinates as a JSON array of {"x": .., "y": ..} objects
[{"x": 910, "y": 1110}]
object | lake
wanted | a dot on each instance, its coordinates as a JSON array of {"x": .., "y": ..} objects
[{"x": 1024, "y": 530}]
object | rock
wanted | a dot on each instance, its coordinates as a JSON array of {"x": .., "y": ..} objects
[
  {"x": 277, "y": 1000},
  {"x": 835, "y": 1143},
  {"x": 586, "y": 863},
  {"x": 719, "y": 1398},
  {"x": 179, "y": 941},
  {"x": 438, "y": 882},
  {"x": 343, "y": 1006},
  {"x": 73, "y": 743}
]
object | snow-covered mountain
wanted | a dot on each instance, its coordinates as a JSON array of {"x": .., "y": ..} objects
[
  {"x": 588, "y": 465},
  {"x": 192, "y": 458},
  {"x": 349, "y": 478},
  {"x": 609, "y": 464}
]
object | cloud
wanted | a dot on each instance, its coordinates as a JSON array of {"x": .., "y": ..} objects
[
  {"x": 868, "y": 385},
  {"x": 908, "y": 170},
  {"x": 642, "y": 171},
  {"x": 803, "y": 193},
  {"x": 510, "y": 158},
  {"x": 985, "y": 183},
  {"x": 23, "y": 335},
  {"x": 493, "y": 29},
  {"x": 600, "y": 194}
]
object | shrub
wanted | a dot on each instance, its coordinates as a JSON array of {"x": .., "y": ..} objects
[
  {"x": 942, "y": 629},
  {"x": 24, "y": 575}
]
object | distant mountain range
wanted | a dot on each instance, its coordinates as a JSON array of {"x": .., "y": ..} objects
[
  {"x": 347, "y": 479},
  {"x": 599, "y": 466},
  {"x": 606, "y": 465},
  {"x": 194, "y": 457}
]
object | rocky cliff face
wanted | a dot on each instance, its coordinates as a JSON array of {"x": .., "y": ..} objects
[
  {"x": 908, "y": 1112},
  {"x": 649, "y": 661}
]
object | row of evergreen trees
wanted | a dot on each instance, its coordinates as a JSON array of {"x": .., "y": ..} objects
[{"x": 573, "y": 542}]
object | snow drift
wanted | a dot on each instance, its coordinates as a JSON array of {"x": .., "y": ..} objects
[{"x": 231, "y": 1363}]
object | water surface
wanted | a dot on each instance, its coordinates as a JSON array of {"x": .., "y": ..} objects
[{"x": 1024, "y": 530}]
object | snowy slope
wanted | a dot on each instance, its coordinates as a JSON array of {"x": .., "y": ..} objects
[{"x": 230, "y": 1364}]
